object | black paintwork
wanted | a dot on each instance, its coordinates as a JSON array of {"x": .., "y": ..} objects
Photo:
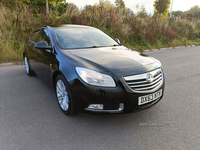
[{"x": 117, "y": 61}]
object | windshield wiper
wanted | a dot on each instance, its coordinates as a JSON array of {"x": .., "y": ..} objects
[
  {"x": 105, "y": 46},
  {"x": 97, "y": 46},
  {"x": 113, "y": 45},
  {"x": 116, "y": 45}
]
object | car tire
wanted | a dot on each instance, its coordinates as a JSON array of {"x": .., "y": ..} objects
[
  {"x": 28, "y": 68},
  {"x": 64, "y": 96}
]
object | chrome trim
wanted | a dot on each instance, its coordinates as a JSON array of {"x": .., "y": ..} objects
[
  {"x": 148, "y": 87},
  {"x": 137, "y": 82},
  {"x": 144, "y": 84},
  {"x": 121, "y": 108},
  {"x": 136, "y": 77},
  {"x": 157, "y": 76},
  {"x": 135, "y": 86}
]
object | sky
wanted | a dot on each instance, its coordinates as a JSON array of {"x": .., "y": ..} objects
[{"x": 182, "y": 5}]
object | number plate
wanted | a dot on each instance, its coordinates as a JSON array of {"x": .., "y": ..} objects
[{"x": 149, "y": 98}]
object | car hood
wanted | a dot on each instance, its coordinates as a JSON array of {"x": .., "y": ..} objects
[{"x": 114, "y": 58}]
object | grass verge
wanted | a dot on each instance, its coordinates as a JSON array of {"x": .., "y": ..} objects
[{"x": 135, "y": 32}]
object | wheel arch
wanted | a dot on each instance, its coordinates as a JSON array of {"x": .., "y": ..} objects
[
  {"x": 65, "y": 69},
  {"x": 55, "y": 74}
]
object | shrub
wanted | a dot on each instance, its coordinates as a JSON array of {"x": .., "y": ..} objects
[{"x": 135, "y": 31}]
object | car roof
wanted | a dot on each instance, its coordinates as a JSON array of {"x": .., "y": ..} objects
[{"x": 70, "y": 26}]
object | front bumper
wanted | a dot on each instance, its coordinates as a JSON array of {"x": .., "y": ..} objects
[{"x": 111, "y": 98}]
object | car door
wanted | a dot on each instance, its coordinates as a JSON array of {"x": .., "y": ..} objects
[
  {"x": 31, "y": 51},
  {"x": 43, "y": 56}
]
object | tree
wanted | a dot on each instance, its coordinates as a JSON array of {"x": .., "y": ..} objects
[
  {"x": 187, "y": 15},
  {"x": 61, "y": 8},
  {"x": 42, "y": 3},
  {"x": 35, "y": 3},
  {"x": 195, "y": 10},
  {"x": 47, "y": 7},
  {"x": 120, "y": 4},
  {"x": 161, "y": 6},
  {"x": 72, "y": 5},
  {"x": 11, "y": 3},
  {"x": 198, "y": 15},
  {"x": 105, "y": 4},
  {"x": 88, "y": 8},
  {"x": 177, "y": 13},
  {"x": 141, "y": 11}
]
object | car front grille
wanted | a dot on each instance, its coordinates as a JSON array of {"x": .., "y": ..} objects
[{"x": 146, "y": 82}]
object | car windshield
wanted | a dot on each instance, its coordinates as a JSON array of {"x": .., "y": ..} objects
[{"x": 75, "y": 38}]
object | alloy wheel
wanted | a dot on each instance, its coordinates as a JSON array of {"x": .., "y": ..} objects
[
  {"x": 62, "y": 95},
  {"x": 26, "y": 64}
]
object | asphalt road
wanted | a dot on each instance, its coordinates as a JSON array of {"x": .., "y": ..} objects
[{"x": 30, "y": 118}]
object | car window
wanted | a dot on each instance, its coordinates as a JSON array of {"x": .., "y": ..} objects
[
  {"x": 35, "y": 36},
  {"x": 72, "y": 38},
  {"x": 44, "y": 36}
]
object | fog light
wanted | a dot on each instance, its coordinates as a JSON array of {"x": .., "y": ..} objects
[{"x": 96, "y": 106}]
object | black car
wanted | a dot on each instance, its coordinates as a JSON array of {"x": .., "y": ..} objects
[{"x": 91, "y": 71}]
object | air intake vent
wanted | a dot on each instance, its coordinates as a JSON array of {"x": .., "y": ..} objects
[{"x": 146, "y": 82}]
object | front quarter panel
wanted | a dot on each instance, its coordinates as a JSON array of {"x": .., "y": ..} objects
[
  {"x": 60, "y": 65},
  {"x": 82, "y": 93}
]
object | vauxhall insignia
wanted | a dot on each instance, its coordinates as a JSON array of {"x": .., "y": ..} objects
[{"x": 77, "y": 86}]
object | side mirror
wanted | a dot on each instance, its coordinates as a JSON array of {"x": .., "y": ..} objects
[
  {"x": 118, "y": 41},
  {"x": 42, "y": 45}
]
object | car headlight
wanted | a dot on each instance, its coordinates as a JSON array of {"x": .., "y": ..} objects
[{"x": 95, "y": 78}]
